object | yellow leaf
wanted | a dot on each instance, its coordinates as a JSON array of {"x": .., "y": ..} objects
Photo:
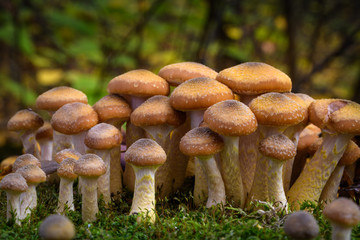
[{"x": 48, "y": 77}]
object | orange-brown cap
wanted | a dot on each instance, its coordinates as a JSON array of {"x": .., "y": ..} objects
[
  {"x": 25, "y": 119},
  {"x": 103, "y": 136},
  {"x": 308, "y": 136},
  {"x": 230, "y": 118},
  {"x": 13, "y": 182},
  {"x": 57, "y": 227},
  {"x": 45, "y": 132},
  {"x": 343, "y": 212},
  {"x": 178, "y": 73},
  {"x": 303, "y": 100},
  {"x": 145, "y": 152},
  {"x": 25, "y": 159},
  {"x": 32, "y": 174},
  {"x": 112, "y": 107},
  {"x": 278, "y": 147},
  {"x": 351, "y": 154},
  {"x": 201, "y": 141},
  {"x": 156, "y": 111},
  {"x": 347, "y": 119},
  {"x": 66, "y": 169},
  {"x": 89, "y": 165},
  {"x": 66, "y": 153},
  {"x": 73, "y": 118},
  {"x": 199, "y": 93},
  {"x": 140, "y": 82},
  {"x": 276, "y": 109},
  {"x": 254, "y": 78},
  {"x": 55, "y": 98}
]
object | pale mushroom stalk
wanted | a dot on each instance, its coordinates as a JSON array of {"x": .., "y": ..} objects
[
  {"x": 29, "y": 143},
  {"x": 78, "y": 142},
  {"x": 28, "y": 201},
  {"x": 330, "y": 190},
  {"x": 116, "y": 171},
  {"x": 13, "y": 205},
  {"x": 89, "y": 207},
  {"x": 66, "y": 195},
  {"x": 46, "y": 147},
  {"x": 159, "y": 133},
  {"x": 61, "y": 142},
  {"x": 104, "y": 180},
  {"x": 340, "y": 232}
]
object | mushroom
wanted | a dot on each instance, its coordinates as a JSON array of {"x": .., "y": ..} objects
[
  {"x": 89, "y": 168},
  {"x": 231, "y": 119},
  {"x": 202, "y": 143},
  {"x": 25, "y": 159},
  {"x": 301, "y": 225},
  {"x": 100, "y": 140},
  {"x": 57, "y": 227},
  {"x": 145, "y": 156},
  {"x": 26, "y": 122},
  {"x": 6, "y": 165},
  {"x": 13, "y": 184},
  {"x": 343, "y": 215},
  {"x": 44, "y": 136}
]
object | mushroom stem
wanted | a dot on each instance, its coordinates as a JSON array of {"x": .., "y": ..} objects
[
  {"x": 28, "y": 201},
  {"x": 116, "y": 172},
  {"x": 89, "y": 199},
  {"x": 78, "y": 142},
  {"x": 159, "y": 133},
  {"x": 46, "y": 149},
  {"x": 104, "y": 180},
  {"x": 329, "y": 193},
  {"x": 66, "y": 196},
  {"x": 13, "y": 205},
  {"x": 340, "y": 233},
  {"x": 61, "y": 142},
  {"x": 29, "y": 143}
]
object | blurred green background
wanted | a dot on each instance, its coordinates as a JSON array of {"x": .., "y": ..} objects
[{"x": 84, "y": 44}]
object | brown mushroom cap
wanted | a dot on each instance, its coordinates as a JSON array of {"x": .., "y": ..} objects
[
  {"x": 66, "y": 153},
  {"x": 201, "y": 141},
  {"x": 57, "y": 227},
  {"x": 112, "y": 107},
  {"x": 343, "y": 211},
  {"x": 230, "y": 118},
  {"x": 301, "y": 225},
  {"x": 73, "y": 118},
  {"x": 351, "y": 154},
  {"x": 32, "y": 174},
  {"x": 56, "y": 97},
  {"x": 347, "y": 119},
  {"x": 13, "y": 182},
  {"x": 25, "y": 119},
  {"x": 178, "y": 73},
  {"x": 276, "y": 109},
  {"x": 145, "y": 152},
  {"x": 156, "y": 111},
  {"x": 254, "y": 77},
  {"x": 89, "y": 165},
  {"x": 25, "y": 159},
  {"x": 103, "y": 136},
  {"x": 277, "y": 147},
  {"x": 199, "y": 93},
  {"x": 140, "y": 82},
  {"x": 303, "y": 100},
  {"x": 45, "y": 132},
  {"x": 66, "y": 169},
  {"x": 308, "y": 136}
]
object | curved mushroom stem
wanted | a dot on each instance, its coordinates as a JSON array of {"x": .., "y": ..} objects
[
  {"x": 116, "y": 172},
  {"x": 329, "y": 193},
  {"x": 29, "y": 143},
  {"x": 103, "y": 181},
  {"x": 28, "y": 201},
  {"x": 13, "y": 205},
  {"x": 66, "y": 197},
  {"x": 46, "y": 148},
  {"x": 89, "y": 207},
  {"x": 61, "y": 142},
  {"x": 144, "y": 193},
  {"x": 340, "y": 232}
]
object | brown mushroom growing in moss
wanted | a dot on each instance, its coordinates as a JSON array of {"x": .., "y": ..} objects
[
  {"x": 57, "y": 227},
  {"x": 301, "y": 225},
  {"x": 67, "y": 177}
]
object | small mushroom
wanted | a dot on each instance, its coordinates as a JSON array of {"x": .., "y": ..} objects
[
  {"x": 67, "y": 177},
  {"x": 57, "y": 227},
  {"x": 25, "y": 159},
  {"x": 301, "y": 225}
]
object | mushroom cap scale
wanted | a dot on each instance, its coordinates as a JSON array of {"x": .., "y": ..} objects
[
  {"x": 230, "y": 118},
  {"x": 66, "y": 169},
  {"x": 66, "y": 153},
  {"x": 347, "y": 119},
  {"x": 277, "y": 147},
  {"x": 112, "y": 107},
  {"x": 13, "y": 182},
  {"x": 301, "y": 225},
  {"x": 57, "y": 227},
  {"x": 25, "y": 159},
  {"x": 89, "y": 165},
  {"x": 343, "y": 211},
  {"x": 25, "y": 119},
  {"x": 103, "y": 136},
  {"x": 145, "y": 152},
  {"x": 44, "y": 132},
  {"x": 32, "y": 174}
]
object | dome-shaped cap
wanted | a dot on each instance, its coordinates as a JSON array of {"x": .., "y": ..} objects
[
  {"x": 343, "y": 211},
  {"x": 201, "y": 141},
  {"x": 112, "y": 107},
  {"x": 347, "y": 119},
  {"x": 301, "y": 225},
  {"x": 140, "y": 82},
  {"x": 89, "y": 165},
  {"x": 156, "y": 111},
  {"x": 254, "y": 78},
  {"x": 308, "y": 136},
  {"x": 45, "y": 132},
  {"x": 178, "y": 73},
  {"x": 25, "y": 119},
  {"x": 55, "y": 98},
  {"x": 66, "y": 169},
  {"x": 277, "y": 147},
  {"x": 25, "y": 159},
  {"x": 32, "y": 174},
  {"x": 13, "y": 182},
  {"x": 199, "y": 93},
  {"x": 66, "y": 153},
  {"x": 57, "y": 227},
  {"x": 145, "y": 152},
  {"x": 230, "y": 118},
  {"x": 303, "y": 100},
  {"x": 351, "y": 154},
  {"x": 73, "y": 118},
  {"x": 103, "y": 136}
]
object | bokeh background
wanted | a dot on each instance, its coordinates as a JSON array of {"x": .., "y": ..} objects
[{"x": 85, "y": 43}]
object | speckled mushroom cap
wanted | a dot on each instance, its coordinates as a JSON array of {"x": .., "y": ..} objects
[
  {"x": 347, "y": 119},
  {"x": 156, "y": 111},
  {"x": 89, "y": 165},
  {"x": 103, "y": 136},
  {"x": 66, "y": 169},
  {"x": 303, "y": 100},
  {"x": 351, "y": 154},
  {"x": 230, "y": 118},
  {"x": 199, "y": 93},
  {"x": 66, "y": 153},
  {"x": 57, "y": 227},
  {"x": 308, "y": 136},
  {"x": 25, "y": 119},
  {"x": 178, "y": 73},
  {"x": 140, "y": 82},
  {"x": 55, "y": 98},
  {"x": 112, "y": 107},
  {"x": 13, "y": 182},
  {"x": 73, "y": 118},
  {"x": 45, "y": 132},
  {"x": 252, "y": 78},
  {"x": 201, "y": 141},
  {"x": 145, "y": 152},
  {"x": 277, "y": 147},
  {"x": 25, "y": 159},
  {"x": 276, "y": 109},
  {"x": 301, "y": 225},
  {"x": 32, "y": 174},
  {"x": 343, "y": 211}
]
